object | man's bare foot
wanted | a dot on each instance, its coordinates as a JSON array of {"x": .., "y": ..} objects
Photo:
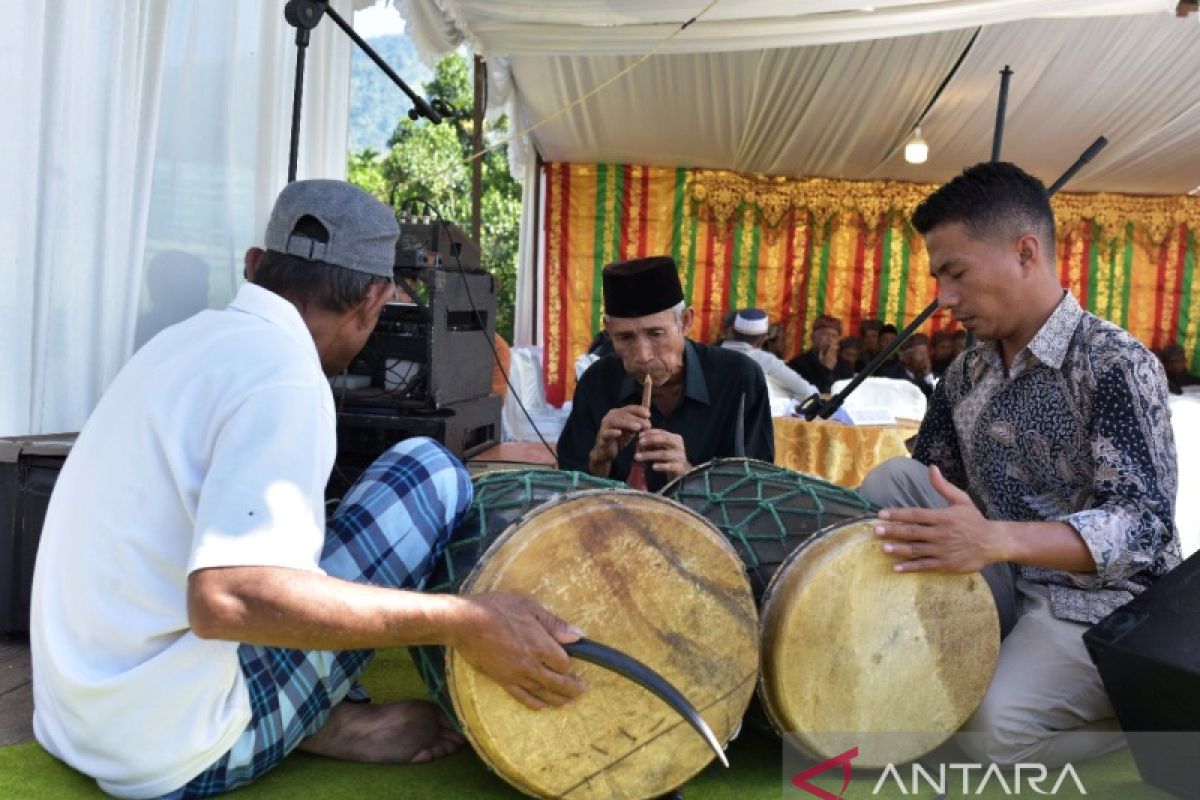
[{"x": 407, "y": 732}]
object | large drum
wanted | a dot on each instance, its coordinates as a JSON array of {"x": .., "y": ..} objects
[
  {"x": 633, "y": 570},
  {"x": 853, "y": 653}
]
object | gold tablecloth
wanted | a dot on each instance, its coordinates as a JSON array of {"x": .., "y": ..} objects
[{"x": 843, "y": 454}]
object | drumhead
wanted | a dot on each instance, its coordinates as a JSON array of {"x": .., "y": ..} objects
[
  {"x": 641, "y": 573},
  {"x": 499, "y": 500},
  {"x": 858, "y": 655}
]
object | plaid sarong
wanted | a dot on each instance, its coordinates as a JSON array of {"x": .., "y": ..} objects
[{"x": 387, "y": 531}]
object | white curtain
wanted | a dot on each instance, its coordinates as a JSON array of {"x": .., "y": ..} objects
[
  {"x": 223, "y": 145},
  {"x": 527, "y": 300},
  {"x": 147, "y": 139},
  {"x": 80, "y": 87}
]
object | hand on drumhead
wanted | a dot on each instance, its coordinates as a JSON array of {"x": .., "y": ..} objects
[
  {"x": 518, "y": 643},
  {"x": 663, "y": 452},
  {"x": 957, "y": 538},
  {"x": 617, "y": 429}
]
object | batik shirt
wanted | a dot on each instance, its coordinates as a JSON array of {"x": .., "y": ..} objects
[{"x": 1077, "y": 430}]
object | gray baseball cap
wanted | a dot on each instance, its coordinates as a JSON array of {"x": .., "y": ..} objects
[{"x": 362, "y": 230}]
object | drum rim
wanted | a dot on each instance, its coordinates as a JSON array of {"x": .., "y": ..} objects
[
  {"x": 764, "y": 618},
  {"x": 716, "y": 462},
  {"x": 491, "y": 474},
  {"x": 775, "y": 469},
  {"x": 712, "y": 533},
  {"x": 565, "y": 497}
]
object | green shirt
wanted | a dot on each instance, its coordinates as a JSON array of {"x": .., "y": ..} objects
[{"x": 716, "y": 381}]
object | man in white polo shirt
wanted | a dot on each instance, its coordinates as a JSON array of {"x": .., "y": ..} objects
[
  {"x": 749, "y": 331},
  {"x": 194, "y": 618}
]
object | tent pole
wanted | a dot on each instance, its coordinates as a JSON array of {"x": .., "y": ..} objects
[
  {"x": 477, "y": 148},
  {"x": 998, "y": 135}
]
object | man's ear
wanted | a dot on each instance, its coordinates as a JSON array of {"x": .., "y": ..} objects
[
  {"x": 1029, "y": 251},
  {"x": 685, "y": 322},
  {"x": 250, "y": 262},
  {"x": 366, "y": 314}
]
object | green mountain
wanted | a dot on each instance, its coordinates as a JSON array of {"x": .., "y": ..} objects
[{"x": 377, "y": 104}]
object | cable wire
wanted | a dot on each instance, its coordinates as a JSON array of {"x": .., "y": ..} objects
[{"x": 483, "y": 329}]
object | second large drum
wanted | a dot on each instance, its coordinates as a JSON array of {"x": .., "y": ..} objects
[{"x": 853, "y": 653}]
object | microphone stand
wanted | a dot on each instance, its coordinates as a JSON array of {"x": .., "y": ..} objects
[
  {"x": 812, "y": 407},
  {"x": 304, "y": 15},
  {"x": 1087, "y": 156}
]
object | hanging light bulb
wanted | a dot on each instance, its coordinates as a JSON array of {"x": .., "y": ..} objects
[{"x": 916, "y": 151}]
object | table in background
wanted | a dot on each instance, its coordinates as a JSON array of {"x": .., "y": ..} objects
[
  {"x": 512, "y": 455},
  {"x": 842, "y": 454}
]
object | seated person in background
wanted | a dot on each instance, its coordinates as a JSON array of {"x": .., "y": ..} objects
[
  {"x": 850, "y": 351},
  {"x": 601, "y": 345},
  {"x": 913, "y": 365},
  {"x": 501, "y": 366},
  {"x": 1033, "y": 467},
  {"x": 194, "y": 616},
  {"x": 960, "y": 342},
  {"x": 1175, "y": 363},
  {"x": 749, "y": 332},
  {"x": 707, "y": 402},
  {"x": 726, "y": 327},
  {"x": 774, "y": 342},
  {"x": 868, "y": 331},
  {"x": 941, "y": 352},
  {"x": 887, "y": 335},
  {"x": 819, "y": 364}
]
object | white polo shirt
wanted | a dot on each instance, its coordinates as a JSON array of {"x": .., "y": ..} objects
[
  {"x": 781, "y": 379},
  {"x": 211, "y": 448}
]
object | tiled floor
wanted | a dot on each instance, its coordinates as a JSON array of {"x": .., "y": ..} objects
[{"x": 16, "y": 693}]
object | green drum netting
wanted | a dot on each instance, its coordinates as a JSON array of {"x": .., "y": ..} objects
[
  {"x": 501, "y": 499},
  {"x": 765, "y": 511}
]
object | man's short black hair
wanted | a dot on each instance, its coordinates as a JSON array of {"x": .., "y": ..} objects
[
  {"x": 992, "y": 199},
  {"x": 870, "y": 325},
  {"x": 888, "y": 328},
  {"x": 916, "y": 340},
  {"x": 313, "y": 283}
]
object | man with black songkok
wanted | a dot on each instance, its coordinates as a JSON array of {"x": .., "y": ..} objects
[{"x": 706, "y": 402}]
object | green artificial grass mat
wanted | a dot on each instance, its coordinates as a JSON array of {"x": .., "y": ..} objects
[{"x": 28, "y": 771}]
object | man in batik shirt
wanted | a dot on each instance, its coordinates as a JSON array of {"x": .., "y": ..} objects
[{"x": 1045, "y": 461}]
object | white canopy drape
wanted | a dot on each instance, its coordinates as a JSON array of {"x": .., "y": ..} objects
[
  {"x": 606, "y": 27},
  {"x": 826, "y": 88}
]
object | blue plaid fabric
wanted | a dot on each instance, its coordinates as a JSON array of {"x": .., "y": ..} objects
[{"x": 387, "y": 531}]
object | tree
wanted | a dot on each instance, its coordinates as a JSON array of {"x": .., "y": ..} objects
[{"x": 431, "y": 163}]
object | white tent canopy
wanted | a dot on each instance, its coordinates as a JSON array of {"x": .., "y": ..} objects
[
  {"x": 812, "y": 88},
  {"x": 829, "y": 88}
]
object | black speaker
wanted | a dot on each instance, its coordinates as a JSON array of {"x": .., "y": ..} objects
[
  {"x": 1148, "y": 654},
  {"x": 432, "y": 352},
  {"x": 29, "y": 467},
  {"x": 425, "y": 241},
  {"x": 365, "y": 433}
]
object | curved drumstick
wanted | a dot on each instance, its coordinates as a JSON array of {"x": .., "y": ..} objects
[{"x": 629, "y": 667}]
